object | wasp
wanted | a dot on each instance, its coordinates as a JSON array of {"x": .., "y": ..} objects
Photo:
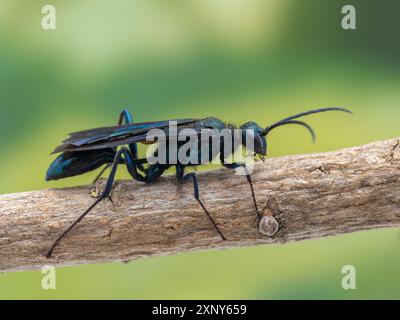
[{"x": 109, "y": 147}]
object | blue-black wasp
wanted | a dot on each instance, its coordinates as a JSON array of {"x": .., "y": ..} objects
[{"x": 87, "y": 150}]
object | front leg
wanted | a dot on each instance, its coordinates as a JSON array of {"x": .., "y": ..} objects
[
  {"x": 181, "y": 176},
  {"x": 236, "y": 165}
]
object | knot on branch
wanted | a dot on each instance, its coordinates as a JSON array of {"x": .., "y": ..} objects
[{"x": 268, "y": 225}]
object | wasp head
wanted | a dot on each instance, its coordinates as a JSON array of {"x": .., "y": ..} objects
[{"x": 251, "y": 131}]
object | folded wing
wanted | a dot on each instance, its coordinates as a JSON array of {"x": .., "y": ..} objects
[{"x": 110, "y": 137}]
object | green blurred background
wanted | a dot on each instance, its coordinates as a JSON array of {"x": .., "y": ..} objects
[{"x": 234, "y": 59}]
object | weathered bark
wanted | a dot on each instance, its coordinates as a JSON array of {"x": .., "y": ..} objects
[{"x": 310, "y": 196}]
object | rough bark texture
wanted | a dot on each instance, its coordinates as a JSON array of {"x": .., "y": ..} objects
[{"x": 310, "y": 196}]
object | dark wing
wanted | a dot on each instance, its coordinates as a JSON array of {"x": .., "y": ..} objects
[{"x": 108, "y": 137}]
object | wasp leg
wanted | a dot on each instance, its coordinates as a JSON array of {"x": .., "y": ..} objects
[
  {"x": 151, "y": 173},
  {"x": 248, "y": 177},
  {"x": 105, "y": 194},
  {"x": 126, "y": 116},
  {"x": 192, "y": 176}
]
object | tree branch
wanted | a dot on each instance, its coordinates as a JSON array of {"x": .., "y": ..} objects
[{"x": 309, "y": 196}]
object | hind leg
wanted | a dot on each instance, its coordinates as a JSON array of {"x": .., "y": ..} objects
[
  {"x": 125, "y": 117},
  {"x": 152, "y": 173},
  {"x": 105, "y": 194}
]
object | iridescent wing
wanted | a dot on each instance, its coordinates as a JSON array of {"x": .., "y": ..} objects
[{"x": 110, "y": 137}]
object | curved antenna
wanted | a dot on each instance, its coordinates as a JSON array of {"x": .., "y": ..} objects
[
  {"x": 302, "y": 114},
  {"x": 312, "y": 133}
]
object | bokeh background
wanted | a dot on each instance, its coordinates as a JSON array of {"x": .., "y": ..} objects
[{"x": 237, "y": 60}]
